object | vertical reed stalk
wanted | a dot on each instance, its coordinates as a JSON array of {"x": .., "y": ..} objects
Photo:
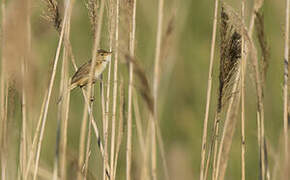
[
  {"x": 120, "y": 128},
  {"x": 23, "y": 140},
  {"x": 115, "y": 86},
  {"x": 88, "y": 148},
  {"x": 155, "y": 126},
  {"x": 65, "y": 103},
  {"x": 285, "y": 89},
  {"x": 208, "y": 96},
  {"x": 243, "y": 96},
  {"x": 3, "y": 96},
  {"x": 35, "y": 137},
  {"x": 130, "y": 86},
  {"x": 107, "y": 98},
  {"x": 105, "y": 122}
]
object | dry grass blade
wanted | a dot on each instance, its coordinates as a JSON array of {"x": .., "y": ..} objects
[
  {"x": 120, "y": 128},
  {"x": 143, "y": 84},
  {"x": 208, "y": 95},
  {"x": 132, "y": 32},
  {"x": 115, "y": 87}
]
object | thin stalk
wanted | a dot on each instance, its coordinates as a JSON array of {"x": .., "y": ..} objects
[
  {"x": 208, "y": 96},
  {"x": 120, "y": 129},
  {"x": 115, "y": 86},
  {"x": 243, "y": 97},
  {"x": 50, "y": 90},
  {"x": 88, "y": 151},
  {"x": 3, "y": 96},
  {"x": 155, "y": 127},
  {"x": 65, "y": 103},
  {"x": 107, "y": 100},
  {"x": 130, "y": 86},
  {"x": 215, "y": 142},
  {"x": 35, "y": 137},
  {"x": 138, "y": 123},
  {"x": 23, "y": 143},
  {"x": 89, "y": 90},
  {"x": 285, "y": 87},
  {"x": 153, "y": 150},
  {"x": 105, "y": 122}
]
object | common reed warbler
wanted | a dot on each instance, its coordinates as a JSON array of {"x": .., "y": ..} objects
[{"x": 81, "y": 77}]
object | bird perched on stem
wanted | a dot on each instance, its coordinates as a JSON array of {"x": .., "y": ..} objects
[{"x": 81, "y": 77}]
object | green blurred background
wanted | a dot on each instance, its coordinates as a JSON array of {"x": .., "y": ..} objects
[{"x": 183, "y": 85}]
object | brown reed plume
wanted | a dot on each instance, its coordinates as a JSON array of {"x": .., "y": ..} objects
[
  {"x": 230, "y": 54},
  {"x": 52, "y": 14},
  {"x": 230, "y": 50}
]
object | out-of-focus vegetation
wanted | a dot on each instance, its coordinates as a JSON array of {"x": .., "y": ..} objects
[{"x": 182, "y": 89}]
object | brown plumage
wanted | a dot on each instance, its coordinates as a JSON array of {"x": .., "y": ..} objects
[{"x": 81, "y": 77}]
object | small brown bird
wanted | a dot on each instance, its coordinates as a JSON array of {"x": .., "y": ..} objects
[{"x": 81, "y": 77}]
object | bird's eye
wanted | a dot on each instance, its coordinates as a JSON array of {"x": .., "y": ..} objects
[{"x": 102, "y": 54}]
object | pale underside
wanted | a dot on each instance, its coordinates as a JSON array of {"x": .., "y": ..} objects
[{"x": 81, "y": 77}]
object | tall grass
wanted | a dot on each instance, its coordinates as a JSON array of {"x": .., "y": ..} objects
[{"x": 152, "y": 90}]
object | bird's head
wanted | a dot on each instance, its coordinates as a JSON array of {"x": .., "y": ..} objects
[{"x": 103, "y": 56}]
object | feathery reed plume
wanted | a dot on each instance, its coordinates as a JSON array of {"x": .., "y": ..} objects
[
  {"x": 52, "y": 14},
  {"x": 263, "y": 45},
  {"x": 92, "y": 12},
  {"x": 230, "y": 48},
  {"x": 230, "y": 52}
]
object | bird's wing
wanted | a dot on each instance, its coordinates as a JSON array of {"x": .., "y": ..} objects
[{"x": 81, "y": 72}]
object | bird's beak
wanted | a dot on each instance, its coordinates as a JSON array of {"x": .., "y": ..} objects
[{"x": 108, "y": 58}]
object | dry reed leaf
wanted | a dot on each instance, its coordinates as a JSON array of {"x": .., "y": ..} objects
[
  {"x": 144, "y": 87},
  {"x": 167, "y": 37},
  {"x": 259, "y": 24}
]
